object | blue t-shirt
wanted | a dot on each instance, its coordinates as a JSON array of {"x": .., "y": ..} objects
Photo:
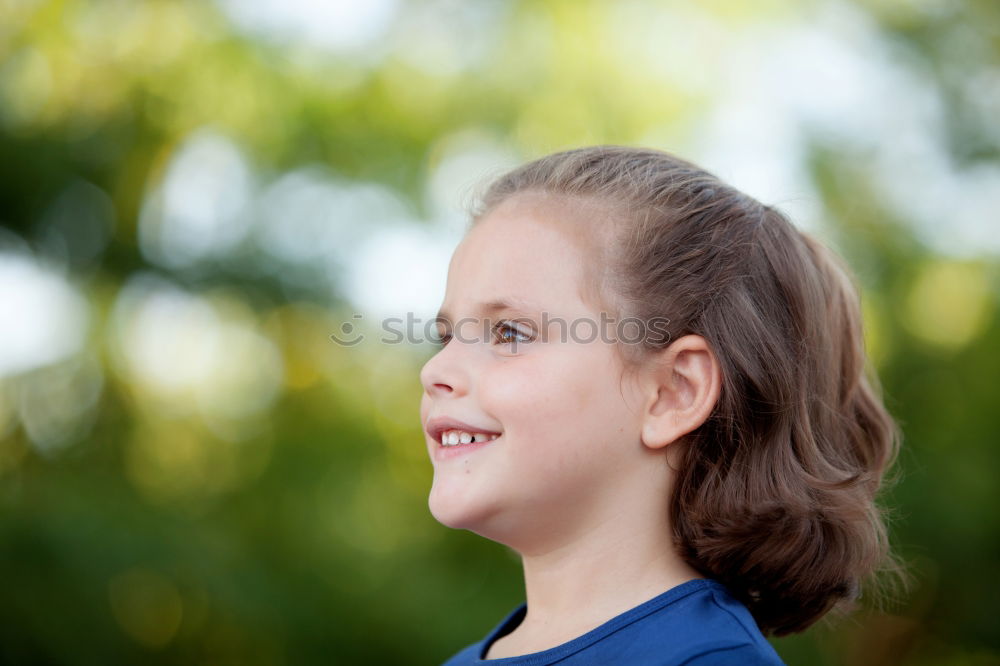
[{"x": 697, "y": 623}]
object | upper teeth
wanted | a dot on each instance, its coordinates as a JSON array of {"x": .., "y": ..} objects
[{"x": 453, "y": 437}]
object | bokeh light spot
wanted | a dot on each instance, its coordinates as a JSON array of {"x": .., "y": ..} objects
[{"x": 949, "y": 303}]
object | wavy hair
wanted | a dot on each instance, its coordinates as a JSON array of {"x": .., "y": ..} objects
[{"x": 775, "y": 496}]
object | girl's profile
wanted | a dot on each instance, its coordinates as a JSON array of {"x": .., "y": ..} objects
[{"x": 678, "y": 488}]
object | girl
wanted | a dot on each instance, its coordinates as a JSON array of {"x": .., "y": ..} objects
[{"x": 652, "y": 387}]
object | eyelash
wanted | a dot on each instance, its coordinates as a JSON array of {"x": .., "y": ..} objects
[{"x": 497, "y": 330}]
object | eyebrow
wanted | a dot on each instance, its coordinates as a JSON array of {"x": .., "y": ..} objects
[{"x": 494, "y": 306}]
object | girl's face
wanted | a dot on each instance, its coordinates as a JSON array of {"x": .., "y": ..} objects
[{"x": 569, "y": 428}]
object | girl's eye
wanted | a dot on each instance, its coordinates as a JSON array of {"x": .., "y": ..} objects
[{"x": 506, "y": 334}]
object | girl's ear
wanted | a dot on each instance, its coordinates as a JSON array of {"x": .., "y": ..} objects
[{"x": 681, "y": 388}]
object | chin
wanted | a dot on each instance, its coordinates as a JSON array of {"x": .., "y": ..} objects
[
  {"x": 455, "y": 508},
  {"x": 453, "y": 514}
]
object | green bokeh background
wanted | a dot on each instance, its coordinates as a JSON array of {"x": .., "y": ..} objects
[{"x": 270, "y": 508}]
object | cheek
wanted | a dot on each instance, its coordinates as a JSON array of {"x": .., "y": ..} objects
[{"x": 552, "y": 395}]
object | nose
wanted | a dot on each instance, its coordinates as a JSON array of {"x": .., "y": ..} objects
[{"x": 445, "y": 373}]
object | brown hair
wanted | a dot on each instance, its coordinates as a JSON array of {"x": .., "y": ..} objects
[{"x": 775, "y": 496}]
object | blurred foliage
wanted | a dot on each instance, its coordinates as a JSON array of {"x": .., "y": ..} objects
[{"x": 192, "y": 472}]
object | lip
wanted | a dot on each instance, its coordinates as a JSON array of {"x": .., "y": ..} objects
[{"x": 440, "y": 424}]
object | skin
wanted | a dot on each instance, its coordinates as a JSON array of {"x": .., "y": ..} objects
[{"x": 578, "y": 483}]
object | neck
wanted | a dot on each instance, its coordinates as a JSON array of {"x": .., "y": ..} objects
[{"x": 622, "y": 559}]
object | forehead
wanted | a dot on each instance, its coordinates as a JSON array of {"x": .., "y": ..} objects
[{"x": 532, "y": 248}]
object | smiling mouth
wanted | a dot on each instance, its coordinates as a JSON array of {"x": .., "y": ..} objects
[{"x": 457, "y": 438}]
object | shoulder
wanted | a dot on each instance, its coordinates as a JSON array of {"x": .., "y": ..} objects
[
  {"x": 747, "y": 654},
  {"x": 697, "y": 623},
  {"x": 705, "y": 627},
  {"x": 722, "y": 631}
]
